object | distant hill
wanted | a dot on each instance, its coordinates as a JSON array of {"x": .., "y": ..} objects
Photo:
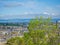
[
  {"x": 14, "y": 20},
  {"x": 20, "y": 20}
]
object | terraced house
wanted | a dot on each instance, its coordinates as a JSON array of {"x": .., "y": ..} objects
[{"x": 7, "y": 32}]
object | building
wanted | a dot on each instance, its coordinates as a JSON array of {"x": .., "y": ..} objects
[{"x": 7, "y": 32}]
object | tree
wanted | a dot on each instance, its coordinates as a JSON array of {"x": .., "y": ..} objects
[
  {"x": 15, "y": 41},
  {"x": 41, "y": 32}
]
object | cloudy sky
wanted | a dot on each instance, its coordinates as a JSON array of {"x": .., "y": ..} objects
[{"x": 10, "y": 9}]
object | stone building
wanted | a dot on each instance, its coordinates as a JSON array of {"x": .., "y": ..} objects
[{"x": 7, "y": 32}]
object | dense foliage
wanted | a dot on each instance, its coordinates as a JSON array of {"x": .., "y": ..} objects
[{"x": 40, "y": 32}]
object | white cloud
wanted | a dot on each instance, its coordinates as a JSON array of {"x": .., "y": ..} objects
[
  {"x": 12, "y": 4},
  {"x": 26, "y": 13},
  {"x": 31, "y": 12},
  {"x": 46, "y": 13},
  {"x": 51, "y": 11},
  {"x": 53, "y": 14}
]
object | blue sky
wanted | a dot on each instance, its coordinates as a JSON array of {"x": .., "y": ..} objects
[{"x": 12, "y": 9}]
